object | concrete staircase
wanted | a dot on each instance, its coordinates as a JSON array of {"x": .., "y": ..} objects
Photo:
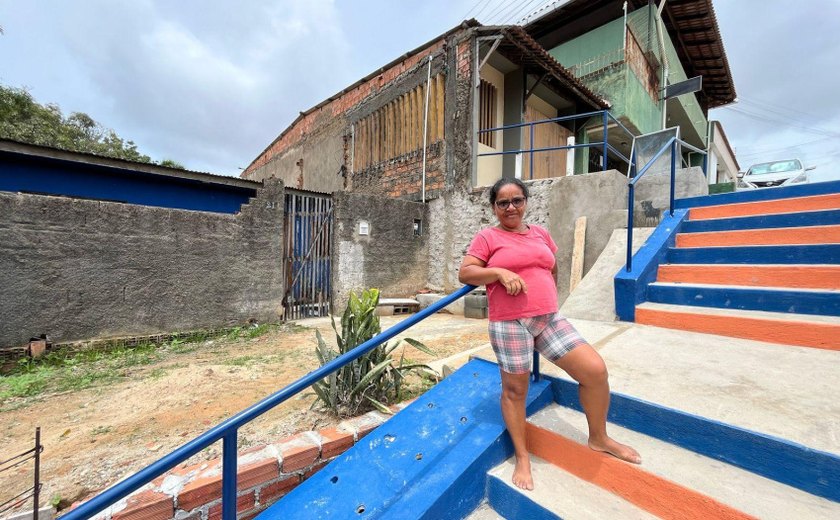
[{"x": 766, "y": 270}]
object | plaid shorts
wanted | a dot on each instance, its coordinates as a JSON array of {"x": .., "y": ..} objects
[{"x": 514, "y": 341}]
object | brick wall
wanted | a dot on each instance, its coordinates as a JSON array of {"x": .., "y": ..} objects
[
  {"x": 402, "y": 176},
  {"x": 264, "y": 475}
]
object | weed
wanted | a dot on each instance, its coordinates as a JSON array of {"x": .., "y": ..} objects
[
  {"x": 374, "y": 379},
  {"x": 240, "y": 361}
]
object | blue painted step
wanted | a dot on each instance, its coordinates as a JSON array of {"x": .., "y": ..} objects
[
  {"x": 806, "y": 218},
  {"x": 804, "y": 254},
  {"x": 426, "y": 462},
  {"x": 797, "y": 301},
  {"x": 804, "y": 190},
  {"x": 510, "y": 503}
]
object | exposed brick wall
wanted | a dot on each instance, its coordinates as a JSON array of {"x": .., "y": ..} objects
[
  {"x": 306, "y": 123},
  {"x": 265, "y": 474},
  {"x": 402, "y": 177}
]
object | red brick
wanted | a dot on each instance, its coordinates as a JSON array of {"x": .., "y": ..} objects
[
  {"x": 199, "y": 492},
  {"x": 298, "y": 452},
  {"x": 314, "y": 469},
  {"x": 148, "y": 505},
  {"x": 257, "y": 473},
  {"x": 275, "y": 490},
  {"x": 334, "y": 442},
  {"x": 243, "y": 503}
]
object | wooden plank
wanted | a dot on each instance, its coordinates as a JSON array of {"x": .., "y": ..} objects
[
  {"x": 577, "y": 253},
  {"x": 439, "y": 79},
  {"x": 432, "y": 111}
]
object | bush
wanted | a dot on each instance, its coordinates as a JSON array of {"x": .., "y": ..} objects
[{"x": 373, "y": 380}]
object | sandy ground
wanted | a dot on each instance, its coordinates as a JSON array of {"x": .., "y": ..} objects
[{"x": 97, "y": 436}]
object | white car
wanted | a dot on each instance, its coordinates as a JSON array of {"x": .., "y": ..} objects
[{"x": 770, "y": 174}]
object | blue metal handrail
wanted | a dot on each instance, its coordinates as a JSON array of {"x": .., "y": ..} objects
[
  {"x": 227, "y": 430},
  {"x": 634, "y": 178},
  {"x": 605, "y": 146}
]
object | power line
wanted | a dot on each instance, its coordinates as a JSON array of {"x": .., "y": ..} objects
[
  {"x": 512, "y": 8},
  {"x": 518, "y": 17},
  {"x": 778, "y": 121}
]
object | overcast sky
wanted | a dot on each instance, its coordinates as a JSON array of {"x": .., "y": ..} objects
[{"x": 210, "y": 83}]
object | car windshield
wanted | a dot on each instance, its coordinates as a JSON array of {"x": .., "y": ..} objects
[{"x": 775, "y": 167}]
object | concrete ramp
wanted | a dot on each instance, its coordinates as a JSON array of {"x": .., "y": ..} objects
[{"x": 594, "y": 297}]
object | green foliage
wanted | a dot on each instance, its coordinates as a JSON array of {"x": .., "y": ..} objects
[
  {"x": 24, "y": 119},
  {"x": 373, "y": 380}
]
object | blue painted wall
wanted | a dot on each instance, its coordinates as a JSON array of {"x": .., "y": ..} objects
[{"x": 50, "y": 176}]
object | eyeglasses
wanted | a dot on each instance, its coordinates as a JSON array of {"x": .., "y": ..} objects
[{"x": 517, "y": 202}]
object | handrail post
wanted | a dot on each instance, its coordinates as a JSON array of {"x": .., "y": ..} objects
[
  {"x": 36, "y": 489},
  {"x": 673, "y": 174},
  {"x": 229, "y": 475},
  {"x": 630, "y": 203},
  {"x": 536, "y": 369},
  {"x": 606, "y": 121}
]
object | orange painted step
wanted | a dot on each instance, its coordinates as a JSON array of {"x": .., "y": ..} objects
[
  {"x": 650, "y": 492},
  {"x": 760, "y": 237},
  {"x": 805, "y": 331},
  {"x": 794, "y": 276},
  {"x": 767, "y": 207}
]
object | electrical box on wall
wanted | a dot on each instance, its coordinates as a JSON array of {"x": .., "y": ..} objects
[
  {"x": 364, "y": 227},
  {"x": 418, "y": 227}
]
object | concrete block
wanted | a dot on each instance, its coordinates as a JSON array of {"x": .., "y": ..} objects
[
  {"x": 384, "y": 310},
  {"x": 456, "y": 307}
]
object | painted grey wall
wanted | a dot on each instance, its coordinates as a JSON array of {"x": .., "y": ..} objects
[
  {"x": 655, "y": 187},
  {"x": 79, "y": 269},
  {"x": 390, "y": 257}
]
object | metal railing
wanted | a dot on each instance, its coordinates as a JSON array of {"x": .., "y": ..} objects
[
  {"x": 604, "y": 145},
  {"x": 634, "y": 178},
  {"x": 227, "y": 430},
  {"x": 35, "y": 491}
]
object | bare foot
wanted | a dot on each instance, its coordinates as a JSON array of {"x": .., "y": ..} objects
[
  {"x": 616, "y": 449},
  {"x": 522, "y": 474}
]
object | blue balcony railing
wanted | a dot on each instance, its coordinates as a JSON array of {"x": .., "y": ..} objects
[{"x": 603, "y": 146}]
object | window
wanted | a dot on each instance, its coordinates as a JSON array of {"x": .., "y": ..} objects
[{"x": 487, "y": 113}]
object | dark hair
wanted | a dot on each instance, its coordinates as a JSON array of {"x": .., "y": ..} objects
[{"x": 504, "y": 181}]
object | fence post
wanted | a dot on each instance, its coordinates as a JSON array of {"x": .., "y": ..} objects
[
  {"x": 36, "y": 489},
  {"x": 531, "y": 146},
  {"x": 229, "y": 456}
]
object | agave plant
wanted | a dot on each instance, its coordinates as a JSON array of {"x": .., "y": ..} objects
[{"x": 373, "y": 380}]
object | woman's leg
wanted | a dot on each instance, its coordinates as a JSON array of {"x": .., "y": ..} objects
[
  {"x": 587, "y": 367},
  {"x": 514, "y": 392}
]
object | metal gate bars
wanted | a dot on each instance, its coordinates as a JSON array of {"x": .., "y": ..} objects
[{"x": 307, "y": 235}]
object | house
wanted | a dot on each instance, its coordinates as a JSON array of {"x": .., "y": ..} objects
[{"x": 559, "y": 97}]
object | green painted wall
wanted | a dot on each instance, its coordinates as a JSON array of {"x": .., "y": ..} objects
[
  {"x": 594, "y": 43},
  {"x": 676, "y": 73}
]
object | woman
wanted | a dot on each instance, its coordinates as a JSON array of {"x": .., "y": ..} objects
[{"x": 516, "y": 263}]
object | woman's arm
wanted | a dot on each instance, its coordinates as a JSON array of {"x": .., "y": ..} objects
[{"x": 474, "y": 271}]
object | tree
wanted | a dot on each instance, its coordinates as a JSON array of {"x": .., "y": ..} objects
[{"x": 24, "y": 119}]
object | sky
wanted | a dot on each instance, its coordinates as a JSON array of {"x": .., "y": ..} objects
[{"x": 211, "y": 83}]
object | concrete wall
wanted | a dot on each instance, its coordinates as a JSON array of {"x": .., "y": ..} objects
[
  {"x": 78, "y": 269},
  {"x": 390, "y": 257},
  {"x": 554, "y": 204},
  {"x": 654, "y": 188}
]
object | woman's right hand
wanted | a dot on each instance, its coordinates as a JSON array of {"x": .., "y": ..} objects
[{"x": 513, "y": 283}]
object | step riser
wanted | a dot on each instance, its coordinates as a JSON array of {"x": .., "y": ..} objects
[
  {"x": 801, "y": 277},
  {"x": 512, "y": 504},
  {"x": 816, "y": 203},
  {"x": 807, "y": 254},
  {"x": 761, "y": 237},
  {"x": 789, "y": 301},
  {"x": 811, "y": 218},
  {"x": 814, "y": 335},
  {"x": 652, "y": 493}
]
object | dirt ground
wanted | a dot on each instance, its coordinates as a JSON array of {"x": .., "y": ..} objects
[{"x": 95, "y": 437}]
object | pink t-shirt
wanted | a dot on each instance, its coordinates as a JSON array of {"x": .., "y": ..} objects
[{"x": 531, "y": 256}]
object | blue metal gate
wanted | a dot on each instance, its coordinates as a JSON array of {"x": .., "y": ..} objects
[{"x": 306, "y": 254}]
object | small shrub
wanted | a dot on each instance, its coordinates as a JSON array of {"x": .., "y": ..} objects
[{"x": 373, "y": 380}]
